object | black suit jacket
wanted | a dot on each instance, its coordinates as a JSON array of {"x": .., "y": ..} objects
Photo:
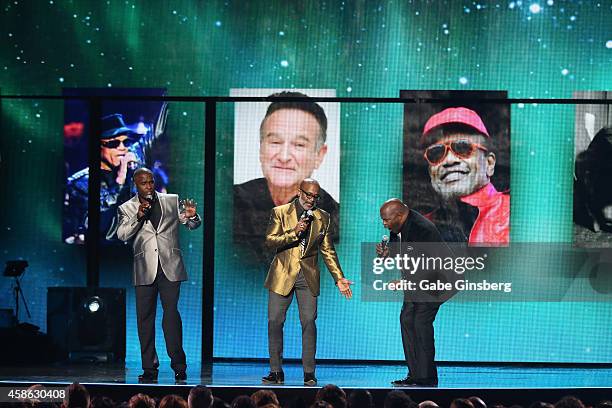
[{"x": 419, "y": 230}]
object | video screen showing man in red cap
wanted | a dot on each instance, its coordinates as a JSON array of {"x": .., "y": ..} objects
[{"x": 460, "y": 154}]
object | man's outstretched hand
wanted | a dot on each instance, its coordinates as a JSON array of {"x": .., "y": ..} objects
[
  {"x": 188, "y": 207},
  {"x": 344, "y": 286}
]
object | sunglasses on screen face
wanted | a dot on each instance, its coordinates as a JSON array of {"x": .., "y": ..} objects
[
  {"x": 464, "y": 149},
  {"x": 113, "y": 144}
]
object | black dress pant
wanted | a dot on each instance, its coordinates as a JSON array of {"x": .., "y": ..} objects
[
  {"x": 416, "y": 320},
  {"x": 146, "y": 308}
]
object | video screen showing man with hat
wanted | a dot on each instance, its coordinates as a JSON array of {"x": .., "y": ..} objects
[
  {"x": 118, "y": 160},
  {"x": 460, "y": 155}
]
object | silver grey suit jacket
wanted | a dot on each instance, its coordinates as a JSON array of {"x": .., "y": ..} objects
[{"x": 151, "y": 246}]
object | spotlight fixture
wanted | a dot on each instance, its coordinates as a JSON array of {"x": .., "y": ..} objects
[
  {"x": 93, "y": 304},
  {"x": 88, "y": 324}
]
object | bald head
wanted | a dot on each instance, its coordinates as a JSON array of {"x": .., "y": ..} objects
[
  {"x": 477, "y": 402},
  {"x": 141, "y": 170},
  {"x": 309, "y": 193},
  {"x": 394, "y": 205},
  {"x": 309, "y": 182},
  {"x": 393, "y": 214}
]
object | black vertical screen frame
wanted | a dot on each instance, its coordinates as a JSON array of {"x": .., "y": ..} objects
[
  {"x": 208, "y": 269},
  {"x": 92, "y": 239}
]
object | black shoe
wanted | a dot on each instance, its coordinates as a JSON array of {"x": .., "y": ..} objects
[
  {"x": 310, "y": 379},
  {"x": 274, "y": 377},
  {"x": 404, "y": 382},
  {"x": 426, "y": 382},
  {"x": 148, "y": 377},
  {"x": 180, "y": 376}
]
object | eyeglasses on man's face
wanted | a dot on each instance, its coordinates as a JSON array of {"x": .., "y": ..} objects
[
  {"x": 464, "y": 149},
  {"x": 315, "y": 197}
]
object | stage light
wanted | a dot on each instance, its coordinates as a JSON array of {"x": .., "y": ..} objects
[
  {"x": 535, "y": 8},
  {"x": 93, "y": 304},
  {"x": 88, "y": 324},
  {"x": 15, "y": 269},
  {"x": 141, "y": 128}
]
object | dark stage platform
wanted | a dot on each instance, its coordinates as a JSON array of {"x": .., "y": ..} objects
[{"x": 509, "y": 385}]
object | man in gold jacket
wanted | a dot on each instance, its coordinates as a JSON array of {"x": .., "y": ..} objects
[{"x": 297, "y": 232}]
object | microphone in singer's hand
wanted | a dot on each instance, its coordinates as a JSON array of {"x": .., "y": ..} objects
[
  {"x": 307, "y": 217},
  {"x": 385, "y": 242},
  {"x": 147, "y": 210}
]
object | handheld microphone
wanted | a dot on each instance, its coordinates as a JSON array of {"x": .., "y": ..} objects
[
  {"x": 384, "y": 242},
  {"x": 307, "y": 215},
  {"x": 150, "y": 198}
]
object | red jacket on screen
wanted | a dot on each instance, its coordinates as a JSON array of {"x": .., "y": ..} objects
[{"x": 492, "y": 226}]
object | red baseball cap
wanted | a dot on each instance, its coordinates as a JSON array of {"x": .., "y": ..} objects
[{"x": 463, "y": 116}]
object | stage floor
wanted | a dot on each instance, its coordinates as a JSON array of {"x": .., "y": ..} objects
[{"x": 371, "y": 376}]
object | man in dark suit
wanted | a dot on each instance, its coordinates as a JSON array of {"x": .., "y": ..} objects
[
  {"x": 297, "y": 232},
  {"x": 417, "y": 317},
  {"x": 151, "y": 221}
]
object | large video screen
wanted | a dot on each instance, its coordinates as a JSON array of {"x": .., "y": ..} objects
[
  {"x": 132, "y": 135},
  {"x": 550, "y": 166},
  {"x": 457, "y": 165},
  {"x": 279, "y": 145}
]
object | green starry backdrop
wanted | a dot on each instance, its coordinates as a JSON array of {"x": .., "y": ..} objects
[{"x": 532, "y": 49}]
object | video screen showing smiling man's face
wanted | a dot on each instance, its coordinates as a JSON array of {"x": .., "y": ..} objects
[
  {"x": 456, "y": 164},
  {"x": 291, "y": 140}
]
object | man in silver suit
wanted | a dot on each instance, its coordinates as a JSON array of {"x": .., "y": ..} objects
[{"x": 151, "y": 221}]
